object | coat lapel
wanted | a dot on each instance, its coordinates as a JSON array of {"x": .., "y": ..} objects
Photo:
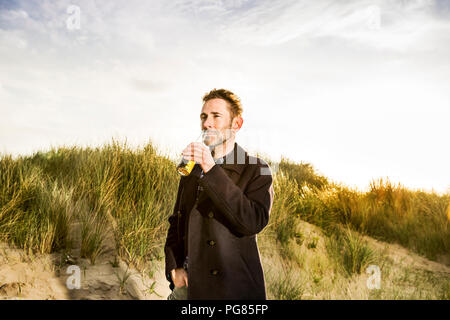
[
  {"x": 235, "y": 162},
  {"x": 233, "y": 166}
]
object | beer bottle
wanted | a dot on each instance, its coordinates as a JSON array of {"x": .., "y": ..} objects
[{"x": 185, "y": 167}]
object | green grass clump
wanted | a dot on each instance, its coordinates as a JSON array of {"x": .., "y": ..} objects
[
  {"x": 303, "y": 174},
  {"x": 286, "y": 285},
  {"x": 282, "y": 217},
  {"x": 34, "y": 213},
  {"x": 351, "y": 252},
  {"x": 94, "y": 228}
]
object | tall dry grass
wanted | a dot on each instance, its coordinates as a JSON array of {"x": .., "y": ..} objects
[
  {"x": 113, "y": 187},
  {"x": 34, "y": 212},
  {"x": 391, "y": 213}
]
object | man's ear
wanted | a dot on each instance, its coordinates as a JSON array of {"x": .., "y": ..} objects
[{"x": 237, "y": 123}]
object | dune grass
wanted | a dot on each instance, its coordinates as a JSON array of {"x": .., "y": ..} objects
[
  {"x": 413, "y": 219},
  {"x": 131, "y": 191},
  {"x": 34, "y": 213},
  {"x": 114, "y": 192},
  {"x": 350, "y": 251}
]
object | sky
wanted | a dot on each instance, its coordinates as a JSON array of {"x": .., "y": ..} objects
[{"x": 359, "y": 89}]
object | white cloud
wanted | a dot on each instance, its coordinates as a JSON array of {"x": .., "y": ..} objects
[
  {"x": 11, "y": 16},
  {"x": 383, "y": 23}
]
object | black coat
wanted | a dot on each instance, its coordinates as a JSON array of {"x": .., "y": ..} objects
[{"x": 217, "y": 228}]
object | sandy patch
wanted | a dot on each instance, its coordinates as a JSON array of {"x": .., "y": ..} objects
[{"x": 45, "y": 277}]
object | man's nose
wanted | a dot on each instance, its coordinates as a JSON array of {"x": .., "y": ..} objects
[{"x": 207, "y": 124}]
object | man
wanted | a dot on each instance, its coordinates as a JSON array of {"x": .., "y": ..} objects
[{"x": 211, "y": 248}]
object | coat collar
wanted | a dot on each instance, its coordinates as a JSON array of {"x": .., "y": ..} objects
[{"x": 236, "y": 159}]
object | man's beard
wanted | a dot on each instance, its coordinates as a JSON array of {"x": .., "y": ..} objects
[{"x": 221, "y": 138}]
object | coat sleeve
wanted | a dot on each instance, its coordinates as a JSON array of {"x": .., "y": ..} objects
[
  {"x": 173, "y": 247},
  {"x": 247, "y": 212}
]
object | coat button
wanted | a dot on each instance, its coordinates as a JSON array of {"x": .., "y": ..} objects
[
  {"x": 211, "y": 215},
  {"x": 179, "y": 214},
  {"x": 211, "y": 242},
  {"x": 214, "y": 272}
]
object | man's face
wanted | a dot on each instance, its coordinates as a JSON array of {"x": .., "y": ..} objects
[{"x": 216, "y": 122}]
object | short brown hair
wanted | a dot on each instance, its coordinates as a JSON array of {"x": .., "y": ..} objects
[{"x": 232, "y": 99}]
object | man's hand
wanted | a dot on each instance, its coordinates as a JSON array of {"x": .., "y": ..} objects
[
  {"x": 179, "y": 277},
  {"x": 198, "y": 152}
]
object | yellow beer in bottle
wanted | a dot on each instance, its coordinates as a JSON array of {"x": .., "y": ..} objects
[{"x": 185, "y": 168}]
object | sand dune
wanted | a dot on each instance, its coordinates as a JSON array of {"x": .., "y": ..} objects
[
  {"x": 25, "y": 276},
  {"x": 38, "y": 276}
]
